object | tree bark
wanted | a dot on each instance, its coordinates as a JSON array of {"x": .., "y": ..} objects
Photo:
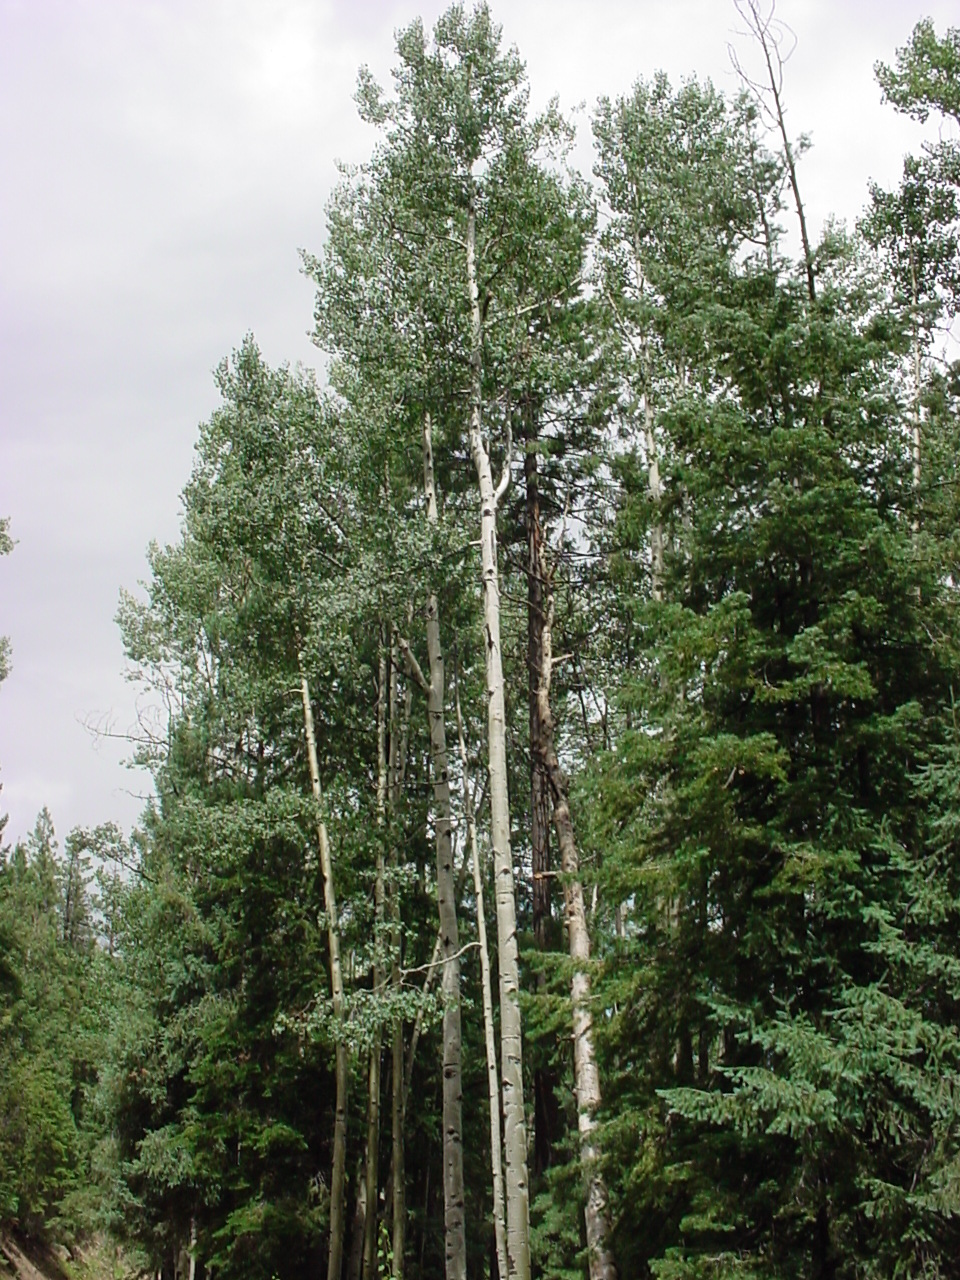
[
  {"x": 539, "y": 792},
  {"x": 355, "y": 1256},
  {"x": 653, "y": 480},
  {"x": 398, "y": 1169},
  {"x": 398, "y": 1211},
  {"x": 586, "y": 1076},
  {"x": 337, "y": 1179},
  {"x": 489, "y": 1034},
  {"x": 545, "y": 1109},
  {"x": 455, "y": 1248},
  {"x": 511, "y": 1047},
  {"x": 435, "y": 963},
  {"x": 373, "y": 1078},
  {"x": 917, "y": 378}
]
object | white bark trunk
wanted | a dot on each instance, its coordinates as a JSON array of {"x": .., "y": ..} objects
[
  {"x": 455, "y": 1249},
  {"x": 653, "y": 479},
  {"x": 586, "y": 1076},
  {"x": 917, "y": 377},
  {"x": 337, "y": 1179},
  {"x": 398, "y": 1212},
  {"x": 489, "y": 1035},
  {"x": 511, "y": 1047},
  {"x": 373, "y": 1078},
  {"x": 398, "y": 1170}
]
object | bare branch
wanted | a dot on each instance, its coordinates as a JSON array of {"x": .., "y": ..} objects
[
  {"x": 438, "y": 964},
  {"x": 770, "y": 35},
  {"x": 504, "y": 484},
  {"x": 413, "y": 666}
]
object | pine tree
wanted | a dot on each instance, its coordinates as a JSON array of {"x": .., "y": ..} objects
[{"x": 766, "y": 1060}]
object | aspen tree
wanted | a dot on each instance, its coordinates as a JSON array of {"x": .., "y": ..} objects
[
  {"x": 489, "y": 1031},
  {"x": 455, "y": 1253},
  {"x": 338, "y": 1178},
  {"x": 586, "y": 1074},
  {"x": 397, "y": 767},
  {"x": 372, "y": 1164}
]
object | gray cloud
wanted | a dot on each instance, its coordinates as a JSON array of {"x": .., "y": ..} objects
[{"x": 163, "y": 162}]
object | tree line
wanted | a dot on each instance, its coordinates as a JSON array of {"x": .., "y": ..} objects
[{"x": 553, "y": 867}]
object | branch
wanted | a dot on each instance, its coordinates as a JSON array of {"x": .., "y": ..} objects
[
  {"x": 435, "y": 964},
  {"x": 564, "y": 290},
  {"x": 504, "y": 484},
  {"x": 413, "y": 666},
  {"x": 769, "y": 36}
]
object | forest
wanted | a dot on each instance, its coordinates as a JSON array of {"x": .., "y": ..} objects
[{"x": 554, "y": 862}]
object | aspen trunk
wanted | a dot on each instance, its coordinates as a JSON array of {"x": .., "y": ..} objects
[
  {"x": 539, "y": 787},
  {"x": 398, "y": 1169},
  {"x": 917, "y": 376},
  {"x": 355, "y": 1256},
  {"x": 760, "y": 24},
  {"x": 545, "y": 1109},
  {"x": 653, "y": 480},
  {"x": 650, "y": 442},
  {"x": 398, "y": 1211},
  {"x": 489, "y": 1035},
  {"x": 511, "y": 1048},
  {"x": 371, "y": 1164},
  {"x": 586, "y": 1076},
  {"x": 455, "y": 1248},
  {"x": 337, "y": 1207},
  {"x": 434, "y": 965},
  {"x": 373, "y": 1079}
]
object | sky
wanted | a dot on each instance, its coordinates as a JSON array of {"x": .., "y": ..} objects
[{"x": 163, "y": 162}]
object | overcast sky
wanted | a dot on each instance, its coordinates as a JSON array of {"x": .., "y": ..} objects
[{"x": 161, "y": 164}]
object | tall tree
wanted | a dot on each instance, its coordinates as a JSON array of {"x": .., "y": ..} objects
[
  {"x": 237, "y": 621},
  {"x": 455, "y": 1253},
  {"x": 459, "y": 99},
  {"x": 917, "y": 228},
  {"x": 749, "y": 807}
]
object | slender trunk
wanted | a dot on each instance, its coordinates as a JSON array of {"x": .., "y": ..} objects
[
  {"x": 397, "y": 1171},
  {"x": 426, "y": 1216},
  {"x": 511, "y": 1046},
  {"x": 455, "y": 1250},
  {"x": 545, "y": 1109},
  {"x": 335, "y": 1256},
  {"x": 373, "y": 1079},
  {"x": 433, "y": 967},
  {"x": 192, "y": 1272},
  {"x": 653, "y": 480},
  {"x": 771, "y": 54},
  {"x": 489, "y": 1034},
  {"x": 371, "y": 1164},
  {"x": 355, "y": 1257},
  {"x": 586, "y": 1076},
  {"x": 916, "y": 418},
  {"x": 650, "y": 443},
  {"x": 917, "y": 375},
  {"x": 761, "y": 202},
  {"x": 539, "y": 789}
]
